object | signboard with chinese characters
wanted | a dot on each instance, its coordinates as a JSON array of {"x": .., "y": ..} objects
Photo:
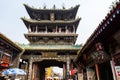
[
  {"x": 117, "y": 69},
  {"x": 49, "y": 54}
]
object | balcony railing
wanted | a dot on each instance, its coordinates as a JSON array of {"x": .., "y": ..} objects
[{"x": 51, "y": 32}]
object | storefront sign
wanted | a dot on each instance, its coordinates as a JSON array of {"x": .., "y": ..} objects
[
  {"x": 117, "y": 69},
  {"x": 5, "y": 59}
]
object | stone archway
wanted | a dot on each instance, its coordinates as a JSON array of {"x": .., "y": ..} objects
[{"x": 38, "y": 68}]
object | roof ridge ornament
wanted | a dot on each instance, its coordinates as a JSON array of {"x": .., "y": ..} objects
[
  {"x": 113, "y": 4},
  {"x": 54, "y": 7},
  {"x": 63, "y": 6},
  {"x": 44, "y": 6}
]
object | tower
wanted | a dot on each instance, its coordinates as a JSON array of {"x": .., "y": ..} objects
[
  {"x": 51, "y": 26},
  {"x": 52, "y": 36}
]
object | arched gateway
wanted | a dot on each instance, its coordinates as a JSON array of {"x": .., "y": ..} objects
[{"x": 52, "y": 36}]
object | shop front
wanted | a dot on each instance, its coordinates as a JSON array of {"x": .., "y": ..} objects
[
  {"x": 9, "y": 52},
  {"x": 116, "y": 66}
]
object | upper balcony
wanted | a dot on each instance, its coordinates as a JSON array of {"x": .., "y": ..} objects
[{"x": 48, "y": 26}]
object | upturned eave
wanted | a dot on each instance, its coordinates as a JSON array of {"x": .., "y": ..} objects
[
  {"x": 31, "y": 10},
  {"x": 28, "y": 22},
  {"x": 7, "y": 40}
]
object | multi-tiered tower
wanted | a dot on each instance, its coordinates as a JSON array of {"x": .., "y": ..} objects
[
  {"x": 52, "y": 26},
  {"x": 52, "y": 36}
]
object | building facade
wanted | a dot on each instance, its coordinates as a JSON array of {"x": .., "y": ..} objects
[
  {"x": 9, "y": 53},
  {"x": 52, "y": 36},
  {"x": 99, "y": 57}
]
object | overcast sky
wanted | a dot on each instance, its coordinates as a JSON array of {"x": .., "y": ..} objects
[{"x": 92, "y": 13}]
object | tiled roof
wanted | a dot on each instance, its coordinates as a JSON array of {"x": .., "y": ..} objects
[{"x": 51, "y": 47}]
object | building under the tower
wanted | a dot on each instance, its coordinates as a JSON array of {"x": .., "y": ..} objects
[{"x": 52, "y": 36}]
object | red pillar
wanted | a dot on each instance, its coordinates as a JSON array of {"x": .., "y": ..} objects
[
  {"x": 97, "y": 71},
  {"x": 113, "y": 69}
]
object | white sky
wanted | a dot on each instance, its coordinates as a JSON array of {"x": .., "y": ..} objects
[{"x": 92, "y": 13}]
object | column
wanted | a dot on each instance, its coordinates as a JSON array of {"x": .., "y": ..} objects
[
  {"x": 56, "y": 28},
  {"x": 26, "y": 69},
  {"x": 52, "y": 17},
  {"x": 30, "y": 68},
  {"x": 97, "y": 71},
  {"x": 66, "y": 30},
  {"x": 73, "y": 28},
  {"x": 29, "y": 29},
  {"x": 36, "y": 28},
  {"x": 46, "y": 29},
  {"x": 16, "y": 60},
  {"x": 113, "y": 69},
  {"x": 64, "y": 71},
  {"x": 85, "y": 74},
  {"x": 68, "y": 66}
]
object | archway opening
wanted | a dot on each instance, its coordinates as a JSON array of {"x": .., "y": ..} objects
[
  {"x": 54, "y": 73},
  {"x": 48, "y": 70}
]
